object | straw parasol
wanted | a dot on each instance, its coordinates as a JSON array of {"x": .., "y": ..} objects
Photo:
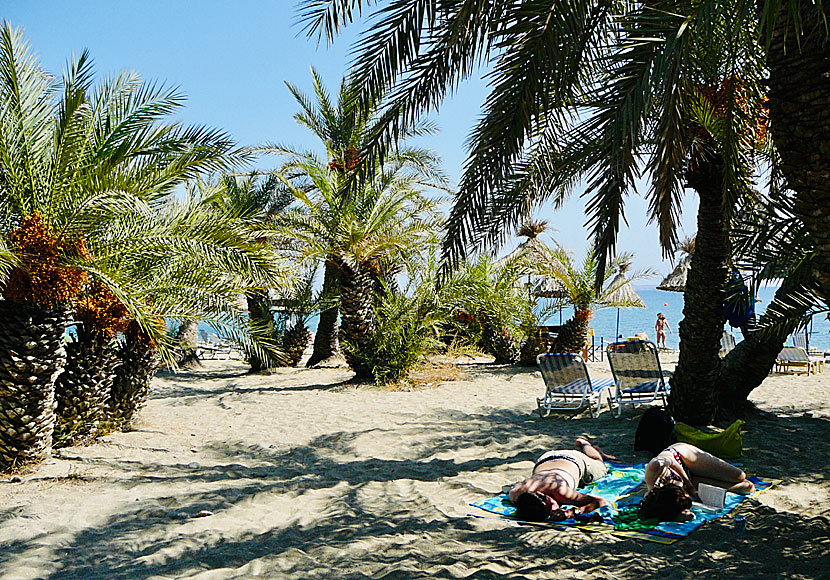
[
  {"x": 534, "y": 250},
  {"x": 676, "y": 281}
]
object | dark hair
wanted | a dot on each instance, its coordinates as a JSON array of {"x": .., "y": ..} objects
[
  {"x": 664, "y": 503},
  {"x": 533, "y": 506}
]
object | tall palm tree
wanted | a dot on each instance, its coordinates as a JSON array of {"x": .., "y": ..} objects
[
  {"x": 345, "y": 126},
  {"x": 798, "y": 58},
  {"x": 74, "y": 158},
  {"x": 386, "y": 220}
]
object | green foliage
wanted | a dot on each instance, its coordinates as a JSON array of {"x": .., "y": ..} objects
[
  {"x": 405, "y": 330},
  {"x": 101, "y": 162}
]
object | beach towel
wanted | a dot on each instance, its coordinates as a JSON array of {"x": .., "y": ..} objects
[{"x": 623, "y": 487}]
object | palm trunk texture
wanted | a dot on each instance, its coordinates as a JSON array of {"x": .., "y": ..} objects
[
  {"x": 749, "y": 363},
  {"x": 325, "y": 341},
  {"x": 83, "y": 389},
  {"x": 186, "y": 340},
  {"x": 696, "y": 380},
  {"x": 498, "y": 341},
  {"x": 294, "y": 342},
  {"x": 138, "y": 363},
  {"x": 356, "y": 313},
  {"x": 32, "y": 355},
  {"x": 800, "y": 121}
]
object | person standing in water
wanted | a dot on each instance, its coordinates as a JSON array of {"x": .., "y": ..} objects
[{"x": 661, "y": 326}]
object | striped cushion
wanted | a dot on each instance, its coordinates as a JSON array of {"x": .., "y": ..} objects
[
  {"x": 646, "y": 387},
  {"x": 580, "y": 386}
]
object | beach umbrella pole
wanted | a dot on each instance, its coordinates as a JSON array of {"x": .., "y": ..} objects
[{"x": 617, "y": 333}]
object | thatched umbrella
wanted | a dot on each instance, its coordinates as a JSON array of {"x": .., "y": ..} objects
[
  {"x": 676, "y": 281},
  {"x": 623, "y": 293},
  {"x": 534, "y": 250}
]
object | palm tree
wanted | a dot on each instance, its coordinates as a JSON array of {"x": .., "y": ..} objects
[
  {"x": 255, "y": 200},
  {"x": 490, "y": 306},
  {"x": 345, "y": 128},
  {"x": 189, "y": 260},
  {"x": 578, "y": 282},
  {"x": 797, "y": 56},
  {"x": 74, "y": 159},
  {"x": 386, "y": 220}
]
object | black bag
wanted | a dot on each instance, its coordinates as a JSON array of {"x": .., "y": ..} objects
[{"x": 655, "y": 431}]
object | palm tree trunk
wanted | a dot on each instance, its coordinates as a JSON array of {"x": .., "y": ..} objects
[
  {"x": 32, "y": 355},
  {"x": 325, "y": 340},
  {"x": 83, "y": 388},
  {"x": 295, "y": 341},
  {"x": 186, "y": 340},
  {"x": 800, "y": 122},
  {"x": 131, "y": 387},
  {"x": 356, "y": 313},
  {"x": 749, "y": 363},
  {"x": 694, "y": 386},
  {"x": 573, "y": 335},
  {"x": 498, "y": 341},
  {"x": 259, "y": 314}
]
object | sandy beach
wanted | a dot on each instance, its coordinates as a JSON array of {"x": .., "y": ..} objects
[{"x": 300, "y": 474}]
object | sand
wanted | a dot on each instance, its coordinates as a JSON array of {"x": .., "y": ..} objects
[{"x": 300, "y": 474}]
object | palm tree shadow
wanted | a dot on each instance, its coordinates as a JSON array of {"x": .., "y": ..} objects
[{"x": 363, "y": 532}]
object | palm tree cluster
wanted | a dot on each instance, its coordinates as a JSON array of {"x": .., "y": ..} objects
[
  {"x": 95, "y": 240},
  {"x": 600, "y": 93}
]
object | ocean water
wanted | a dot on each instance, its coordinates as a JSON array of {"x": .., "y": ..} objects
[{"x": 634, "y": 320}]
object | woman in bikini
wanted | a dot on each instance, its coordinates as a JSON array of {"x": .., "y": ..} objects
[
  {"x": 554, "y": 481},
  {"x": 673, "y": 475}
]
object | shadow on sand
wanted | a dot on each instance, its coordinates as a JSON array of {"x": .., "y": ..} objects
[{"x": 364, "y": 535}]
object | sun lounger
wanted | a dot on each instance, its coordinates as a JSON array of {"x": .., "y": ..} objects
[
  {"x": 567, "y": 384},
  {"x": 816, "y": 356},
  {"x": 638, "y": 376},
  {"x": 793, "y": 359}
]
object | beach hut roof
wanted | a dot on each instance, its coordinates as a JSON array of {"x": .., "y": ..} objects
[
  {"x": 676, "y": 281},
  {"x": 624, "y": 293}
]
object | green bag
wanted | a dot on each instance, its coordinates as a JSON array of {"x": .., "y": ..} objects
[{"x": 727, "y": 444}]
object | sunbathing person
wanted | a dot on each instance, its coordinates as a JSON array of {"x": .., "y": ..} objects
[
  {"x": 673, "y": 475},
  {"x": 555, "y": 478}
]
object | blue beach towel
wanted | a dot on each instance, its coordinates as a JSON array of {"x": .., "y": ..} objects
[{"x": 623, "y": 487}]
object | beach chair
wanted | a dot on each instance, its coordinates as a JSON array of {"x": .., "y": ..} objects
[
  {"x": 638, "y": 376},
  {"x": 221, "y": 348},
  {"x": 567, "y": 384},
  {"x": 793, "y": 359},
  {"x": 727, "y": 343},
  {"x": 204, "y": 349}
]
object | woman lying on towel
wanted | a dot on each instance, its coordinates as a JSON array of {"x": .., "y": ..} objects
[
  {"x": 555, "y": 478},
  {"x": 673, "y": 475}
]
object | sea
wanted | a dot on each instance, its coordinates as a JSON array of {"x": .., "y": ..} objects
[{"x": 634, "y": 320}]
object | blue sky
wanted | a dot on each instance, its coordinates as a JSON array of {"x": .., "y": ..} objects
[{"x": 232, "y": 59}]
